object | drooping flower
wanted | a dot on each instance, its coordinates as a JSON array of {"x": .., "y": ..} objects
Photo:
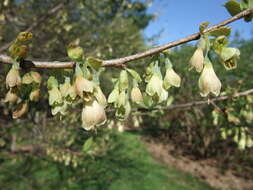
[
  {"x": 208, "y": 81},
  {"x": 93, "y": 114},
  {"x": 171, "y": 79},
  {"x": 197, "y": 60},
  {"x": 13, "y": 78},
  {"x": 136, "y": 95},
  {"x": 155, "y": 89},
  {"x": 229, "y": 57},
  {"x": 84, "y": 88},
  {"x": 55, "y": 97},
  {"x": 68, "y": 91}
]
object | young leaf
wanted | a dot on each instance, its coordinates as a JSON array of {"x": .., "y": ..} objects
[
  {"x": 233, "y": 7},
  {"x": 135, "y": 75},
  {"x": 87, "y": 145},
  {"x": 94, "y": 63},
  {"x": 203, "y": 26},
  {"x": 222, "y": 31}
]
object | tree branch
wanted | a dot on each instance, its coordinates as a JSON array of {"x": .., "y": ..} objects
[
  {"x": 121, "y": 61},
  {"x": 202, "y": 102}
]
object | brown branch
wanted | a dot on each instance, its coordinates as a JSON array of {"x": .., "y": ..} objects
[
  {"x": 121, "y": 61},
  {"x": 51, "y": 12},
  {"x": 202, "y": 102}
]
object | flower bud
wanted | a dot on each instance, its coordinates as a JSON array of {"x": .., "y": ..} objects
[
  {"x": 11, "y": 97},
  {"x": 24, "y": 36},
  {"x": 136, "y": 95},
  {"x": 93, "y": 114},
  {"x": 35, "y": 95},
  {"x": 197, "y": 60},
  {"x": 21, "y": 110},
  {"x": 13, "y": 78},
  {"x": 155, "y": 89},
  {"x": 55, "y": 97},
  {"x": 171, "y": 79},
  {"x": 83, "y": 87},
  {"x": 75, "y": 52},
  {"x": 208, "y": 81}
]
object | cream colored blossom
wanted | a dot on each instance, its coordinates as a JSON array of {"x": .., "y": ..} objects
[
  {"x": 93, "y": 114},
  {"x": 171, "y": 79},
  {"x": 155, "y": 89},
  {"x": 136, "y": 95},
  {"x": 197, "y": 60},
  {"x": 208, "y": 81},
  {"x": 84, "y": 87},
  {"x": 13, "y": 78}
]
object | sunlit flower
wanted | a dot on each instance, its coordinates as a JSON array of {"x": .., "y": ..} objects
[
  {"x": 197, "y": 60},
  {"x": 155, "y": 89},
  {"x": 208, "y": 81},
  {"x": 136, "y": 95},
  {"x": 171, "y": 79},
  {"x": 93, "y": 114},
  {"x": 84, "y": 88},
  {"x": 55, "y": 97},
  {"x": 13, "y": 78}
]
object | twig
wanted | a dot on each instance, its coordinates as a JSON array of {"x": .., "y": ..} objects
[
  {"x": 121, "y": 61},
  {"x": 37, "y": 23},
  {"x": 202, "y": 102}
]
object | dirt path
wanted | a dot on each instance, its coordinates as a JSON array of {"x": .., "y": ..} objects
[{"x": 200, "y": 169}]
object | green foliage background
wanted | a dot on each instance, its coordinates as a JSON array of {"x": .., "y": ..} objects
[{"x": 47, "y": 153}]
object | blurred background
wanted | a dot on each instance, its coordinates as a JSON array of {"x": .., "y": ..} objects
[{"x": 202, "y": 147}]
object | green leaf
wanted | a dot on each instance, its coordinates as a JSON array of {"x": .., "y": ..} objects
[
  {"x": 135, "y": 75},
  {"x": 233, "y": 7},
  {"x": 246, "y": 4},
  {"x": 113, "y": 96},
  {"x": 52, "y": 82},
  {"x": 203, "y": 26},
  {"x": 147, "y": 100},
  {"x": 222, "y": 31},
  {"x": 87, "y": 145},
  {"x": 94, "y": 63},
  {"x": 219, "y": 43}
]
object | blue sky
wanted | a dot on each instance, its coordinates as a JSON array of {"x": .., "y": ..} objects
[{"x": 179, "y": 18}]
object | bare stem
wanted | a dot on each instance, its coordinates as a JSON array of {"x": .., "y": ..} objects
[{"x": 119, "y": 62}]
